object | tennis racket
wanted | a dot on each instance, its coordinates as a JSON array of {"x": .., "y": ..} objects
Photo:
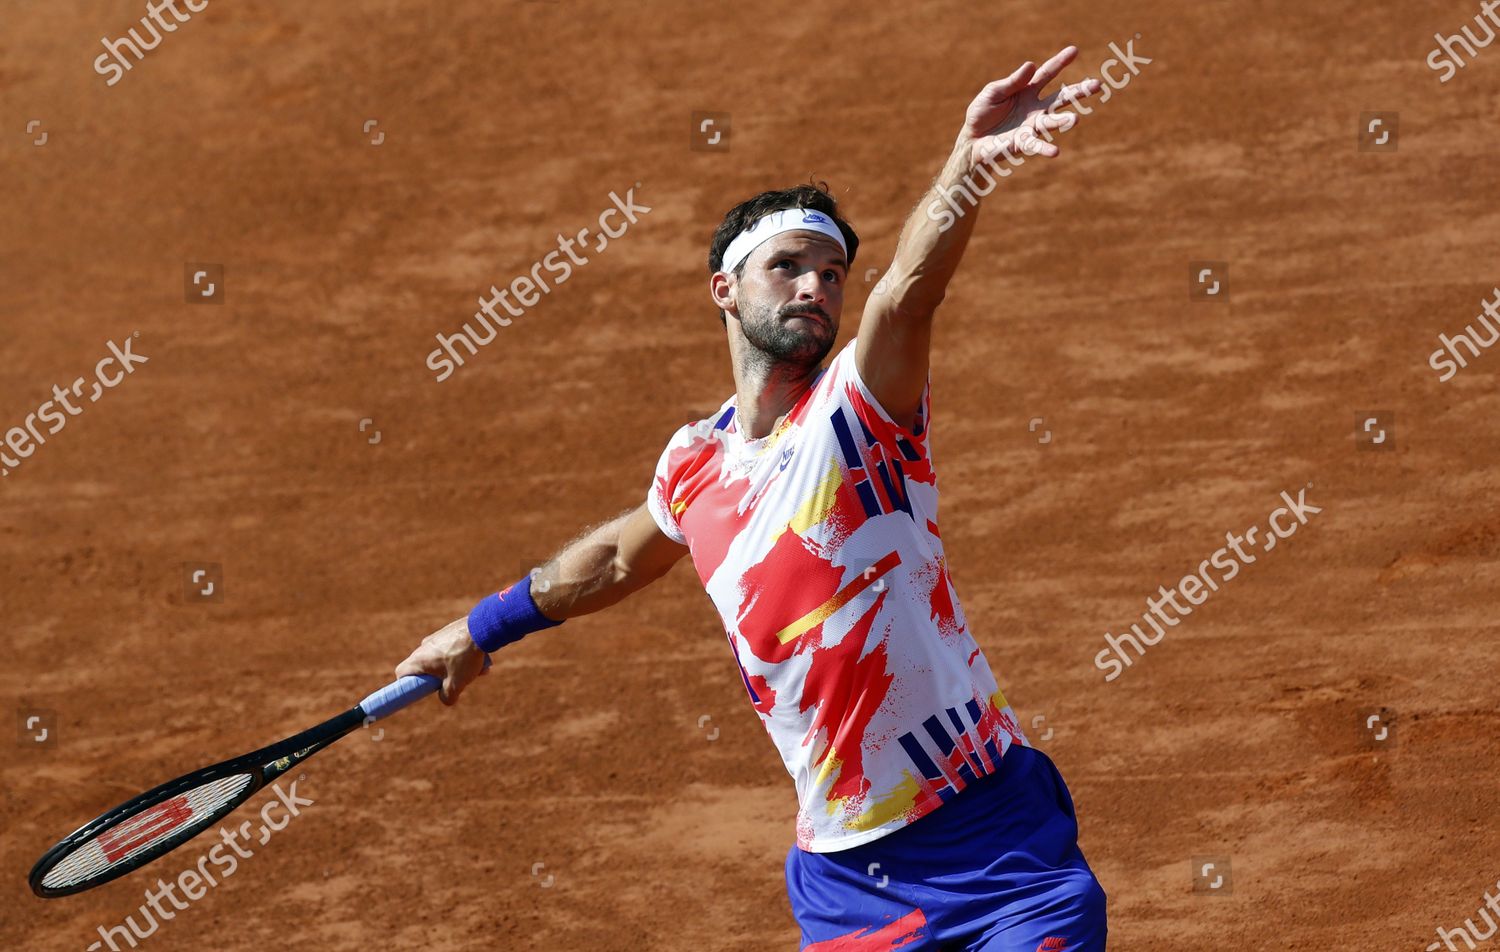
[{"x": 162, "y": 819}]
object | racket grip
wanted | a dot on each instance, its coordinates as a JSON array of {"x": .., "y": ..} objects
[
  {"x": 398, "y": 694},
  {"x": 401, "y": 693}
]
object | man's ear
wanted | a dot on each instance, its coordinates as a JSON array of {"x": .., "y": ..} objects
[{"x": 722, "y": 288}]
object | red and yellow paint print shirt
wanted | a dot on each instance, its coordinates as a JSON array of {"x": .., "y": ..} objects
[{"x": 819, "y": 546}]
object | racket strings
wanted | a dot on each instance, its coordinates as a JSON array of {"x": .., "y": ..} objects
[{"x": 152, "y": 825}]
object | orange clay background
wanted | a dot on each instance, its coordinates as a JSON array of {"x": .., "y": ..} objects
[{"x": 620, "y": 751}]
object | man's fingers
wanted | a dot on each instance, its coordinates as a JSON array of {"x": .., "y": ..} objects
[
  {"x": 1009, "y": 86},
  {"x": 1049, "y": 70},
  {"x": 418, "y": 662},
  {"x": 459, "y": 678},
  {"x": 1025, "y": 141},
  {"x": 1057, "y": 122},
  {"x": 1071, "y": 94},
  {"x": 1040, "y": 147}
]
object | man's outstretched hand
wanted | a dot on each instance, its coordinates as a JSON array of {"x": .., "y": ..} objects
[
  {"x": 448, "y": 653},
  {"x": 1010, "y": 114}
]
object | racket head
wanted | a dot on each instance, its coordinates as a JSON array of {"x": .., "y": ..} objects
[
  {"x": 144, "y": 828},
  {"x": 162, "y": 819}
]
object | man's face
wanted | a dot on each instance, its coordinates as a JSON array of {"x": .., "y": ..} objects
[{"x": 791, "y": 296}]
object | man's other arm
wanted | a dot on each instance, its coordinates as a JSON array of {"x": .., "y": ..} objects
[{"x": 599, "y": 568}]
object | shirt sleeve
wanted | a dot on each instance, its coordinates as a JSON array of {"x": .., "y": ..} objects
[
  {"x": 903, "y": 440},
  {"x": 663, "y": 492}
]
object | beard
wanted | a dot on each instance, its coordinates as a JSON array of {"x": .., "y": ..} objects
[{"x": 803, "y": 346}]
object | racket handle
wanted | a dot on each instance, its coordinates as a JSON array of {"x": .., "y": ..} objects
[
  {"x": 398, "y": 694},
  {"x": 401, "y": 693}
]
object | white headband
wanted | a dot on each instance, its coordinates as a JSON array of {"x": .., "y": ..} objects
[{"x": 788, "y": 219}]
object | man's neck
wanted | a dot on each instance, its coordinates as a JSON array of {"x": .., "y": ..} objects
[{"x": 766, "y": 391}]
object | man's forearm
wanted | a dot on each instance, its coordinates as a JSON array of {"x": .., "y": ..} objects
[
  {"x": 932, "y": 244},
  {"x": 586, "y": 575}
]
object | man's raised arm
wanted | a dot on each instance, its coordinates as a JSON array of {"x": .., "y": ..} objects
[
  {"x": 1009, "y": 118},
  {"x": 594, "y": 571}
]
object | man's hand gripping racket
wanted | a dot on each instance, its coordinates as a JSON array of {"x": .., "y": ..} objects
[{"x": 162, "y": 819}]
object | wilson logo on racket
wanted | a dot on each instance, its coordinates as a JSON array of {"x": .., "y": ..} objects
[
  {"x": 286, "y": 762},
  {"x": 152, "y": 825}
]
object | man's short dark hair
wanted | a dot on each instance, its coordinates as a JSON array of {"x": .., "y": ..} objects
[{"x": 813, "y": 196}]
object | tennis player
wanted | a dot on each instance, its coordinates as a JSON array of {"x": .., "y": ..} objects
[{"x": 809, "y": 505}]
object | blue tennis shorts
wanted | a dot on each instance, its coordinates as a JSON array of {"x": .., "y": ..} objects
[{"x": 996, "y": 868}]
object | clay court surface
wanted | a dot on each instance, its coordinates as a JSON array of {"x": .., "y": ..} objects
[{"x": 620, "y": 753}]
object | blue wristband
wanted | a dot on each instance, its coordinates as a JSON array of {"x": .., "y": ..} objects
[{"x": 507, "y": 616}]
